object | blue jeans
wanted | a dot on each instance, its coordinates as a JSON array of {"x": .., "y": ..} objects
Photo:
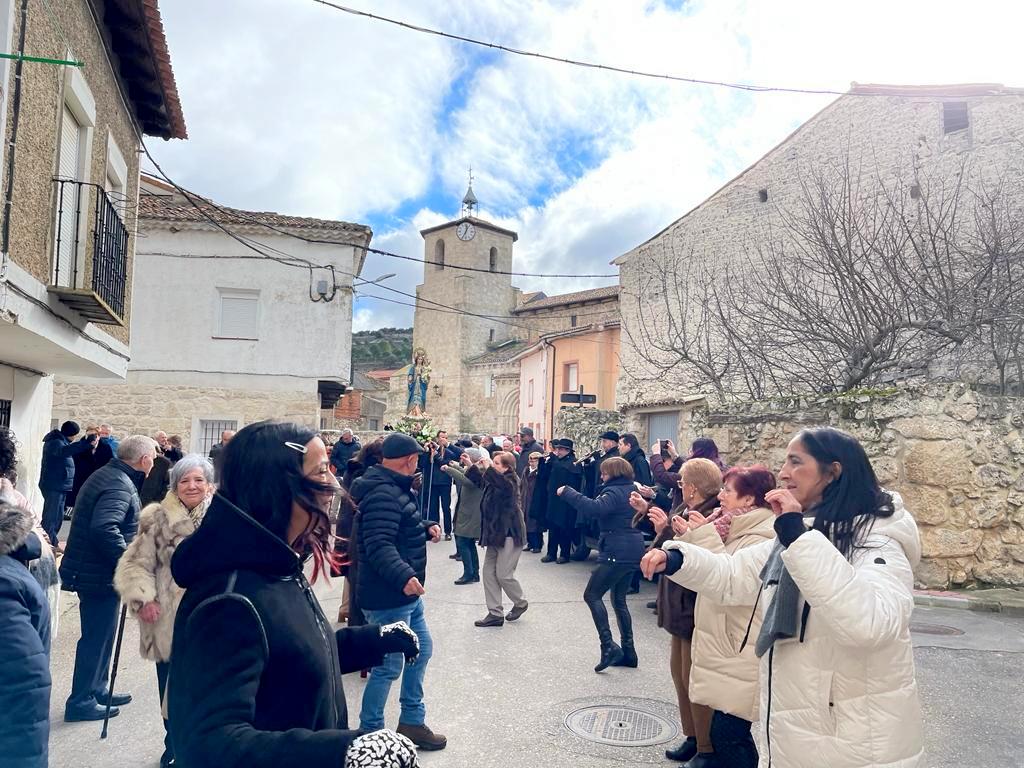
[{"x": 378, "y": 686}]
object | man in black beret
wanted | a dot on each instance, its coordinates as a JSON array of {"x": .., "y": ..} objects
[
  {"x": 392, "y": 549},
  {"x": 557, "y": 470}
]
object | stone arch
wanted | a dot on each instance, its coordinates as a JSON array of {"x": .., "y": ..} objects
[
  {"x": 439, "y": 254},
  {"x": 493, "y": 264},
  {"x": 508, "y": 412}
]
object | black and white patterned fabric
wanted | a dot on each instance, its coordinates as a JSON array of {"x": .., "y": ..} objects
[
  {"x": 381, "y": 749},
  {"x": 399, "y": 638}
]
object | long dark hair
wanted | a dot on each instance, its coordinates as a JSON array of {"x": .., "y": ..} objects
[
  {"x": 852, "y": 501},
  {"x": 706, "y": 448},
  {"x": 263, "y": 476}
]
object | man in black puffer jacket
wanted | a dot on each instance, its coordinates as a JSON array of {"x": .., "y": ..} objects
[
  {"x": 392, "y": 553},
  {"x": 106, "y": 519}
]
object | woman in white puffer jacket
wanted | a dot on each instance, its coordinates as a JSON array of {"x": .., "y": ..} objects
[{"x": 835, "y": 595}]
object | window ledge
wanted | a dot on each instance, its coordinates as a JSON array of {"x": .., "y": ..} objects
[{"x": 235, "y": 338}]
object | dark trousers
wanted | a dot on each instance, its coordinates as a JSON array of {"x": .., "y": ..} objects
[
  {"x": 734, "y": 746},
  {"x": 535, "y": 539},
  {"x": 613, "y": 577},
  {"x": 53, "y": 514},
  {"x": 163, "y": 669},
  {"x": 92, "y": 656},
  {"x": 441, "y": 500},
  {"x": 466, "y": 547},
  {"x": 559, "y": 539}
]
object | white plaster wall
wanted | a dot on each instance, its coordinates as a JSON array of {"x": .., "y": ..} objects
[
  {"x": 176, "y": 305},
  {"x": 31, "y": 398}
]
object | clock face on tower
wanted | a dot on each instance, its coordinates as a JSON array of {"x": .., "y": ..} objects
[{"x": 466, "y": 231}]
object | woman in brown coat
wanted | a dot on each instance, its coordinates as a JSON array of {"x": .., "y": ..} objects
[{"x": 700, "y": 482}]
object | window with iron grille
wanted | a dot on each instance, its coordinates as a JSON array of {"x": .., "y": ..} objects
[
  {"x": 210, "y": 431},
  {"x": 5, "y": 413}
]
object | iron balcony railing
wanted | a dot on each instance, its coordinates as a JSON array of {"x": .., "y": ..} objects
[{"x": 108, "y": 236}]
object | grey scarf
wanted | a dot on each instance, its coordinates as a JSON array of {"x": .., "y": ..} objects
[{"x": 782, "y": 618}]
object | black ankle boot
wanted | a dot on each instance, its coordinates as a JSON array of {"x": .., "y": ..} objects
[
  {"x": 611, "y": 654},
  {"x": 629, "y": 658},
  {"x": 684, "y": 751},
  {"x": 703, "y": 760}
]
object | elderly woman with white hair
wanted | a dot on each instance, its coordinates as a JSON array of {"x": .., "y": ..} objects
[{"x": 143, "y": 577}]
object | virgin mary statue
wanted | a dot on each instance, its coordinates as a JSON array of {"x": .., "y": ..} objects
[{"x": 419, "y": 377}]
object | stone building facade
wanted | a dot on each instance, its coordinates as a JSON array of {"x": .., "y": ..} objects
[
  {"x": 888, "y": 137},
  {"x": 474, "y": 324},
  {"x": 73, "y": 143},
  {"x": 225, "y": 335}
]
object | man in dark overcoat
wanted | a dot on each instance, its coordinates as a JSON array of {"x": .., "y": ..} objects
[{"x": 557, "y": 470}]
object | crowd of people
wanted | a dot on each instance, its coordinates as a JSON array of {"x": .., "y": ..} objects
[{"x": 785, "y": 598}]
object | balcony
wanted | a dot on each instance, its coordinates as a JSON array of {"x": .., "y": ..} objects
[{"x": 89, "y": 233}]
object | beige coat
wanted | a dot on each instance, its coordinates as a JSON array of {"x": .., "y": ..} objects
[
  {"x": 846, "y": 695},
  {"x": 144, "y": 572},
  {"x": 723, "y": 676}
]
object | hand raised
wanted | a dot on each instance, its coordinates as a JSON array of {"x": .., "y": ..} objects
[
  {"x": 696, "y": 520},
  {"x": 658, "y": 518},
  {"x": 646, "y": 491},
  {"x": 636, "y": 501},
  {"x": 679, "y": 525},
  {"x": 783, "y": 501}
]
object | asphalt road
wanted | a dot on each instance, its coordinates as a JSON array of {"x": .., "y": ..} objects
[{"x": 501, "y": 694}]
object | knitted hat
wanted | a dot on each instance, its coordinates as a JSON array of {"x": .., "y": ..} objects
[
  {"x": 704, "y": 475},
  {"x": 69, "y": 429},
  {"x": 398, "y": 445}
]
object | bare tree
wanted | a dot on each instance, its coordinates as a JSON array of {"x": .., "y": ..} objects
[{"x": 866, "y": 280}]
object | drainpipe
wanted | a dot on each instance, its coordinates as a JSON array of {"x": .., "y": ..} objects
[
  {"x": 551, "y": 406},
  {"x": 12, "y": 143}
]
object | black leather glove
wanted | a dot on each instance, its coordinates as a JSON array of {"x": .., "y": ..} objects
[
  {"x": 381, "y": 749},
  {"x": 399, "y": 638}
]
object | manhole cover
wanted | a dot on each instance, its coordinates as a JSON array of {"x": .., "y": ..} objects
[
  {"x": 935, "y": 629},
  {"x": 620, "y": 726}
]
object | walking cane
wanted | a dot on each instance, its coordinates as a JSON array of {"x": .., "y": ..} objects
[{"x": 113, "y": 672}]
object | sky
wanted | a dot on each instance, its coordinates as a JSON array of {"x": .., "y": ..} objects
[{"x": 298, "y": 108}]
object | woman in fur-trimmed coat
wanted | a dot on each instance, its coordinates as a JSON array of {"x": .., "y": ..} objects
[{"x": 143, "y": 576}]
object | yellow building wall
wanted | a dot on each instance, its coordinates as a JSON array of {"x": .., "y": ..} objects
[{"x": 597, "y": 355}]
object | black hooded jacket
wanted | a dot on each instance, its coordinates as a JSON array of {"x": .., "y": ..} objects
[
  {"x": 391, "y": 538},
  {"x": 256, "y": 666}
]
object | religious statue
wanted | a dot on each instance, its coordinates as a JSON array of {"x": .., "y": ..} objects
[{"x": 419, "y": 378}]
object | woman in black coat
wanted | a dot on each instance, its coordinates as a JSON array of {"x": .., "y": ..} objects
[
  {"x": 621, "y": 548},
  {"x": 256, "y": 669}
]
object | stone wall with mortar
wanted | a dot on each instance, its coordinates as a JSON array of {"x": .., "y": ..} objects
[
  {"x": 145, "y": 408},
  {"x": 954, "y": 454},
  {"x": 584, "y": 425}
]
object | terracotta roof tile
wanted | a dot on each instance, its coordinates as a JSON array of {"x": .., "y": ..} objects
[
  {"x": 594, "y": 294},
  {"x": 174, "y": 208},
  {"x": 500, "y": 355}
]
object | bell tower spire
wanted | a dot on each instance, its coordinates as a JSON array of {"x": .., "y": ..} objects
[{"x": 469, "y": 202}]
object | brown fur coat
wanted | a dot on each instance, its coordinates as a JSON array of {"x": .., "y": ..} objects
[{"x": 144, "y": 572}]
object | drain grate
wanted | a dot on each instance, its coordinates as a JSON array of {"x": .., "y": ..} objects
[
  {"x": 935, "y": 629},
  {"x": 620, "y": 726}
]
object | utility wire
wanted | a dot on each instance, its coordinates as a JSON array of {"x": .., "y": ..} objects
[{"x": 578, "y": 63}]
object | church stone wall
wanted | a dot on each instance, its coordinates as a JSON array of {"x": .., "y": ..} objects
[{"x": 542, "y": 321}]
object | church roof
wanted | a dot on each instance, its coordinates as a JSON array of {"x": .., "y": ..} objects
[
  {"x": 500, "y": 355},
  {"x": 476, "y": 223},
  {"x": 562, "y": 299}
]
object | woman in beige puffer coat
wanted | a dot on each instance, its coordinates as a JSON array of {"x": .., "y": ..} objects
[
  {"x": 835, "y": 593},
  {"x": 143, "y": 576},
  {"x": 725, "y": 671}
]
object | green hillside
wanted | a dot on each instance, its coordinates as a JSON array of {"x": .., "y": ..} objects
[{"x": 382, "y": 348}]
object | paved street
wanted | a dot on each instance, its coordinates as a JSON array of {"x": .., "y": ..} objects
[{"x": 500, "y": 695}]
